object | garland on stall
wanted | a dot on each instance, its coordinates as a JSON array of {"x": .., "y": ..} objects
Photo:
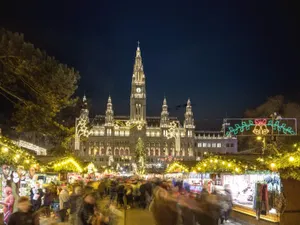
[
  {"x": 177, "y": 167},
  {"x": 13, "y": 155},
  {"x": 217, "y": 164},
  {"x": 287, "y": 164},
  {"x": 68, "y": 164}
]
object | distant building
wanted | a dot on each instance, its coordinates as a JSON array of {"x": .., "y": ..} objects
[{"x": 112, "y": 139}]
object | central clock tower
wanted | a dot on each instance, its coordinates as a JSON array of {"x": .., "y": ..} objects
[{"x": 138, "y": 90}]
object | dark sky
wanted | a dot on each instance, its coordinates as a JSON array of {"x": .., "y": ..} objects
[{"x": 226, "y": 57}]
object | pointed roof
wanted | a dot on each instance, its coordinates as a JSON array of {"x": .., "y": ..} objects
[
  {"x": 165, "y": 101},
  {"x": 138, "y": 70}
]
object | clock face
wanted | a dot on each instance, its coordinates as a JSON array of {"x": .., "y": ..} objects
[{"x": 138, "y": 90}]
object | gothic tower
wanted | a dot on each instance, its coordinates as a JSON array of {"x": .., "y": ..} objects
[
  {"x": 109, "y": 114},
  {"x": 189, "y": 119},
  {"x": 138, "y": 90},
  {"x": 164, "y": 116}
]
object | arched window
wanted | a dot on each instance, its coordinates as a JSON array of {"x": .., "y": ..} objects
[
  {"x": 151, "y": 152},
  {"x": 122, "y": 151},
  {"x": 126, "y": 151},
  {"x": 116, "y": 151},
  {"x": 157, "y": 152},
  {"x": 102, "y": 151}
]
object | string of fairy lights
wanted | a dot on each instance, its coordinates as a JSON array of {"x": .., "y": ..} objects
[{"x": 13, "y": 155}]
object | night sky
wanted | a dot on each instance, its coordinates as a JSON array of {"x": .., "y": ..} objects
[{"x": 226, "y": 57}]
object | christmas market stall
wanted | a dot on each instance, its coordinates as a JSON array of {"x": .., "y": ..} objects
[{"x": 17, "y": 174}]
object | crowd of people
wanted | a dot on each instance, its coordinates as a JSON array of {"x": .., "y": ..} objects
[{"x": 103, "y": 203}]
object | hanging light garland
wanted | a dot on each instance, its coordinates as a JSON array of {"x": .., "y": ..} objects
[
  {"x": 66, "y": 164},
  {"x": 177, "y": 167},
  {"x": 213, "y": 164},
  {"x": 13, "y": 155}
]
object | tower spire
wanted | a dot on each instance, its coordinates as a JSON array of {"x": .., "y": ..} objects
[
  {"x": 109, "y": 114},
  {"x": 189, "y": 117},
  {"x": 164, "y": 118},
  {"x": 138, "y": 70}
]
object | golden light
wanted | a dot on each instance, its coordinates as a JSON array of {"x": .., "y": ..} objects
[
  {"x": 17, "y": 156},
  {"x": 199, "y": 168},
  {"x": 237, "y": 169},
  {"x": 291, "y": 159},
  {"x": 27, "y": 161},
  {"x": 273, "y": 165},
  {"x": 258, "y": 138},
  {"x": 204, "y": 164},
  {"x": 210, "y": 161},
  {"x": 229, "y": 165},
  {"x": 5, "y": 149},
  {"x": 216, "y": 160},
  {"x": 205, "y": 153},
  {"x": 295, "y": 145},
  {"x": 223, "y": 163}
]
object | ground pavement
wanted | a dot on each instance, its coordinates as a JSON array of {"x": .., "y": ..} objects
[{"x": 144, "y": 217}]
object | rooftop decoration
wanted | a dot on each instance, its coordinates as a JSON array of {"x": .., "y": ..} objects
[
  {"x": 12, "y": 154},
  {"x": 177, "y": 167}
]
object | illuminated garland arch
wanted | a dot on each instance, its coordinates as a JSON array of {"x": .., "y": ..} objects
[
  {"x": 214, "y": 164},
  {"x": 66, "y": 164},
  {"x": 177, "y": 167},
  {"x": 247, "y": 125}
]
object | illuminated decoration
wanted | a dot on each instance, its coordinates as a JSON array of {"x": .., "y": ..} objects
[
  {"x": 140, "y": 156},
  {"x": 174, "y": 132},
  {"x": 260, "y": 126},
  {"x": 12, "y": 154},
  {"x": 177, "y": 167},
  {"x": 91, "y": 168},
  {"x": 287, "y": 164},
  {"x": 129, "y": 124},
  {"x": 215, "y": 164},
  {"x": 67, "y": 164},
  {"x": 39, "y": 150}
]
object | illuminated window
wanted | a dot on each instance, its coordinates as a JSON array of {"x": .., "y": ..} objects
[
  {"x": 116, "y": 133},
  {"x": 213, "y": 145},
  {"x": 108, "y": 132},
  {"x": 147, "y": 133},
  {"x": 126, "y": 132},
  {"x": 208, "y": 145},
  {"x": 200, "y": 145},
  {"x": 219, "y": 145},
  {"x": 190, "y": 133},
  {"x": 204, "y": 145},
  {"x": 101, "y": 132},
  {"x": 122, "y": 133},
  {"x": 157, "y": 134}
]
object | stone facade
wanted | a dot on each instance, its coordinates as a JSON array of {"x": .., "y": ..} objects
[{"x": 112, "y": 139}]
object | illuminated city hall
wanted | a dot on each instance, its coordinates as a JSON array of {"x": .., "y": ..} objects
[{"x": 113, "y": 139}]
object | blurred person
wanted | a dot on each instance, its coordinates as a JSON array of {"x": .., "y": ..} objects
[
  {"x": 37, "y": 194},
  {"x": 88, "y": 214},
  {"x": 48, "y": 198},
  {"x": 228, "y": 199},
  {"x": 101, "y": 189},
  {"x": 64, "y": 203},
  {"x": 163, "y": 207},
  {"x": 113, "y": 191},
  {"x": 120, "y": 195},
  {"x": 75, "y": 204},
  {"x": 8, "y": 204},
  {"x": 24, "y": 216}
]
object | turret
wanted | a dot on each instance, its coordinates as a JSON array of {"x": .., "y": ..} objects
[
  {"x": 189, "y": 119},
  {"x": 109, "y": 114},
  {"x": 164, "y": 117}
]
